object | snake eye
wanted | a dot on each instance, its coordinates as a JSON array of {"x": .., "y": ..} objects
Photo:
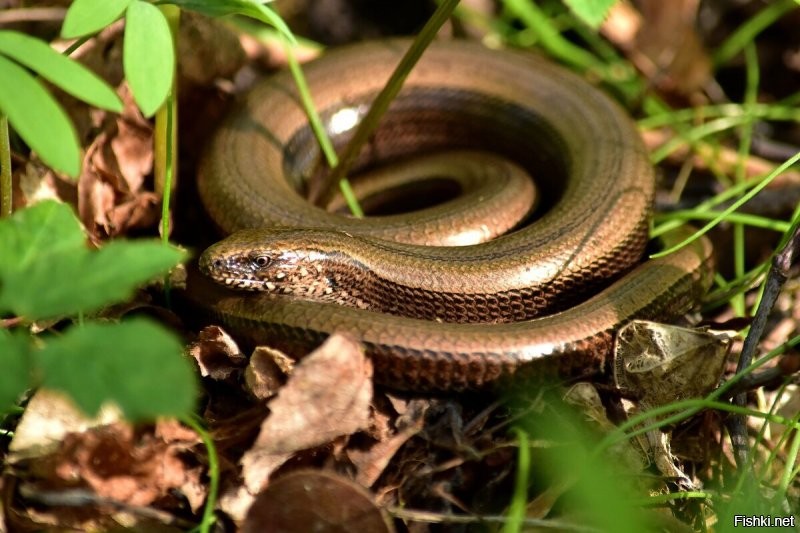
[{"x": 261, "y": 261}]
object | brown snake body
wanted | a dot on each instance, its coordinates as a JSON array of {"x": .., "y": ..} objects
[{"x": 584, "y": 152}]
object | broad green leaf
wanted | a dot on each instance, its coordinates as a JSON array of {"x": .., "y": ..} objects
[
  {"x": 15, "y": 361},
  {"x": 148, "y": 56},
  {"x": 85, "y": 17},
  {"x": 60, "y": 70},
  {"x": 38, "y": 118},
  {"x": 592, "y": 12},
  {"x": 85, "y": 281},
  {"x": 41, "y": 232},
  {"x": 250, "y": 8},
  {"x": 137, "y": 364},
  {"x": 46, "y": 270}
]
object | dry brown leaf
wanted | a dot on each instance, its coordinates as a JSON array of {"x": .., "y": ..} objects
[
  {"x": 48, "y": 417},
  {"x": 267, "y": 372},
  {"x": 111, "y": 200},
  {"x": 217, "y": 354},
  {"x": 326, "y": 397},
  {"x": 371, "y": 463},
  {"x": 119, "y": 464},
  {"x": 130, "y": 152},
  {"x": 107, "y": 475},
  {"x": 313, "y": 500}
]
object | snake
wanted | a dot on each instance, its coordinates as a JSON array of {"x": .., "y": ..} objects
[{"x": 542, "y": 300}]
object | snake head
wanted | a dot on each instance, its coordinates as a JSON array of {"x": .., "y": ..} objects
[{"x": 267, "y": 260}]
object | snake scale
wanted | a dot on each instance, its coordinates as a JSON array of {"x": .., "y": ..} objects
[{"x": 432, "y": 316}]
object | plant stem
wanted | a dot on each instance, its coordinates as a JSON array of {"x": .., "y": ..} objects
[
  {"x": 385, "y": 97},
  {"x": 747, "y": 32},
  {"x": 166, "y": 134},
  {"x": 5, "y": 168},
  {"x": 209, "y": 519}
]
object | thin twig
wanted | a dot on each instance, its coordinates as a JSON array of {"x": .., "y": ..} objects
[{"x": 777, "y": 276}]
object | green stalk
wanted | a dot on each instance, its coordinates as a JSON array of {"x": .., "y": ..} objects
[
  {"x": 5, "y": 168},
  {"x": 549, "y": 37},
  {"x": 209, "y": 519},
  {"x": 733, "y": 207},
  {"x": 746, "y": 139},
  {"x": 166, "y": 134},
  {"x": 745, "y": 219},
  {"x": 516, "y": 512},
  {"x": 319, "y": 130},
  {"x": 385, "y": 97},
  {"x": 747, "y": 32}
]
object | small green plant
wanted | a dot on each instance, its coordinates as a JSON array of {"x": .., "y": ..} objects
[
  {"x": 47, "y": 272},
  {"x": 32, "y": 111}
]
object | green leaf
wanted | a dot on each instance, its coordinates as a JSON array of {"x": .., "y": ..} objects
[
  {"x": 85, "y": 17},
  {"x": 60, "y": 70},
  {"x": 250, "y": 8},
  {"x": 592, "y": 12},
  {"x": 137, "y": 364},
  {"x": 148, "y": 56},
  {"x": 38, "y": 118},
  {"x": 46, "y": 270},
  {"x": 41, "y": 232},
  {"x": 16, "y": 364}
]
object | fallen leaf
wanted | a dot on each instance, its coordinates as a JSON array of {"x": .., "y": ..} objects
[
  {"x": 267, "y": 372},
  {"x": 326, "y": 397},
  {"x": 313, "y": 500},
  {"x": 217, "y": 354}
]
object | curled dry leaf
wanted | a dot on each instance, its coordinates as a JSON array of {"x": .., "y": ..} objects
[
  {"x": 659, "y": 363},
  {"x": 217, "y": 354},
  {"x": 267, "y": 372},
  {"x": 327, "y": 396},
  {"x": 584, "y": 397},
  {"x": 312, "y": 500},
  {"x": 111, "y": 199}
]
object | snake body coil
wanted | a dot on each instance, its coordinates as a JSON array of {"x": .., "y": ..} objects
[{"x": 581, "y": 148}]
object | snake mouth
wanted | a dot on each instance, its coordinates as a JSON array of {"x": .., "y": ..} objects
[
  {"x": 235, "y": 272},
  {"x": 249, "y": 284}
]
